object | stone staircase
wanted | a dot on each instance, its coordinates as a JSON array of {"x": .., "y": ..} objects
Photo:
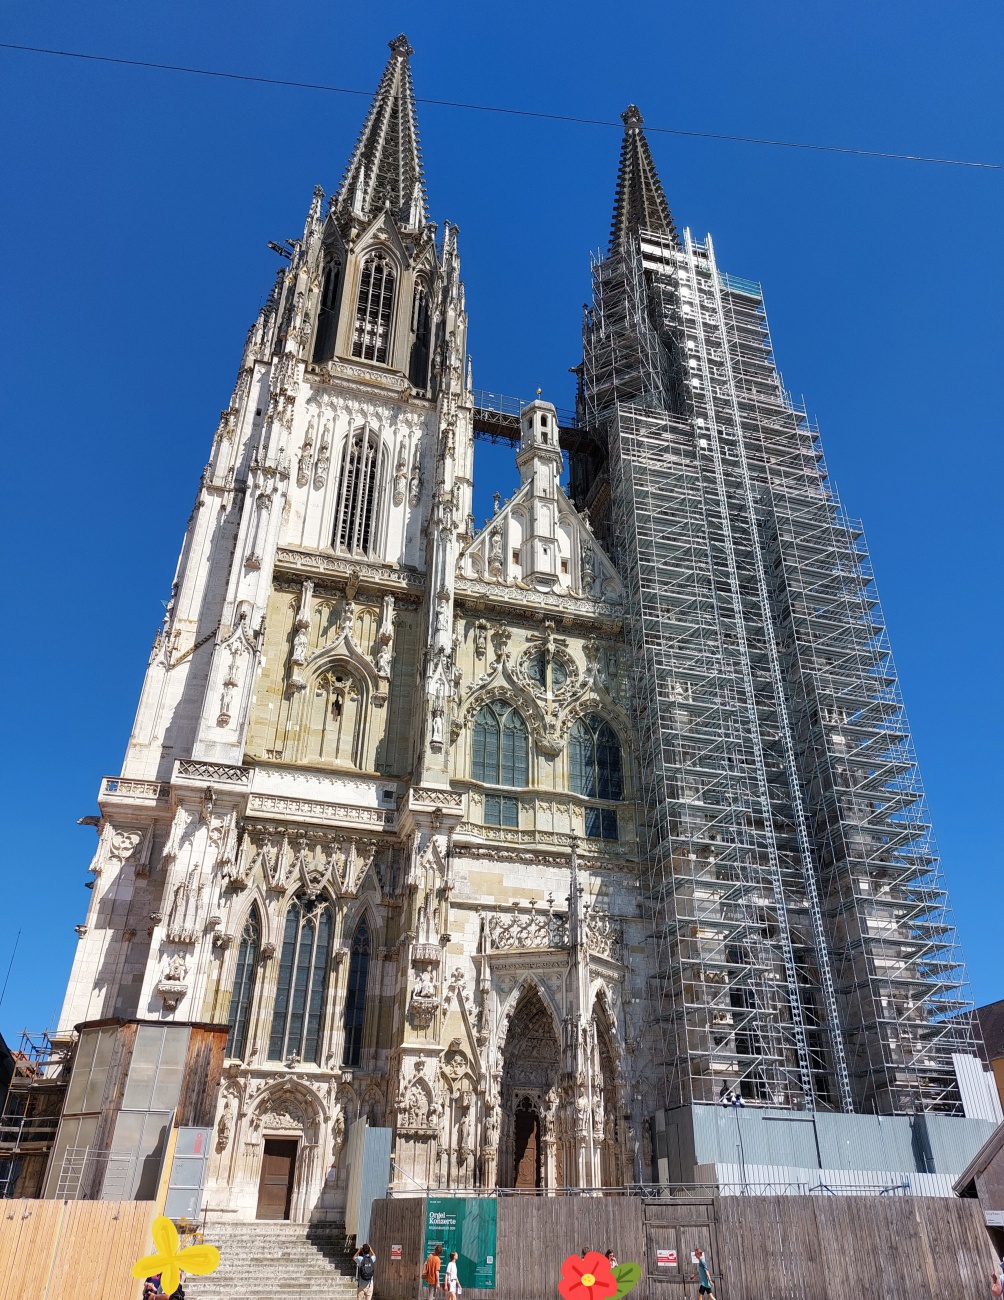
[{"x": 266, "y": 1260}]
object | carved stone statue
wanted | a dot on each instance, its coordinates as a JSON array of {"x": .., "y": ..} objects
[
  {"x": 226, "y": 1123},
  {"x": 299, "y": 655},
  {"x": 177, "y": 968}
]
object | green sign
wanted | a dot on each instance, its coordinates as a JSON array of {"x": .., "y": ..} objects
[{"x": 465, "y": 1224}]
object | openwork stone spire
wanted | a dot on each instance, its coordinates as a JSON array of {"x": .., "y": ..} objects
[
  {"x": 640, "y": 202},
  {"x": 386, "y": 167}
]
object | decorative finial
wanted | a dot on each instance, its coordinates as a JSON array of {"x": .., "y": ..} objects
[
  {"x": 400, "y": 46},
  {"x": 538, "y": 392},
  {"x": 631, "y": 117}
]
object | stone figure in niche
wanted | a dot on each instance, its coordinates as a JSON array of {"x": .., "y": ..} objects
[
  {"x": 383, "y": 661},
  {"x": 426, "y": 986},
  {"x": 323, "y": 457},
  {"x": 306, "y": 457},
  {"x": 586, "y": 563},
  {"x": 225, "y": 1125},
  {"x": 492, "y": 1129},
  {"x": 338, "y": 1130},
  {"x": 177, "y": 968},
  {"x": 495, "y": 552},
  {"x": 299, "y": 655},
  {"x": 437, "y": 727}
]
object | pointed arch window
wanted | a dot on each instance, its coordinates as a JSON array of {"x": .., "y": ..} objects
[
  {"x": 243, "y": 986},
  {"x": 355, "y": 522},
  {"x": 374, "y": 309},
  {"x": 355, "y": 996},
  {"x": 421, "y": 325},
  {"x": 594, "y": 759},
  {"x": 327, "y": 314},
  {"x": 501, "y": 746},
  {"x": 297, "y": 1020}
]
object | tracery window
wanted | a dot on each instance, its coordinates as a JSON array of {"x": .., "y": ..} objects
[
  {"x": 374, "y": 309},
  {"x": 327, "y": 314},
  {"x": 594, "y": 759},
  {"x": 243, "y": 986},
  {"x": 357, "y": 494},
  {"x": 355, "y": 996},
  {"x": 501, "y": 746},
  {"x": 303, "y": 966},
  {"x": 547, "y": 671}
]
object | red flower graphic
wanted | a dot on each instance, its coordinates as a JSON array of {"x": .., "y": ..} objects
[{"x": 587, "y": 1279}]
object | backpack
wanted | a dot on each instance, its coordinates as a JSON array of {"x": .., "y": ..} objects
[{"x": 366, "y": 1268}]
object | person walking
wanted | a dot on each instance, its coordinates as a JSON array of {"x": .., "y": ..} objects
[
  {"x": 453, "y": 1287},
  {"x": 365, "y": 1269},
  {"x": 702, "y": 1277},
  {"x": 611, "y": 1259},
  {"x": 430, "y": 1270}
]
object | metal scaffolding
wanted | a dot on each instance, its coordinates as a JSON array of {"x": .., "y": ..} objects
[{"x": 804, "y": 952}]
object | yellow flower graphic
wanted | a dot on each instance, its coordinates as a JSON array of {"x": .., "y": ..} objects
[{"x": 169, "y": 1260}]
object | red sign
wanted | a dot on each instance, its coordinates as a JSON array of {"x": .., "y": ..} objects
[
  {"x": 395, "y": 1252},
  {"x": 665, "y": 1259}
]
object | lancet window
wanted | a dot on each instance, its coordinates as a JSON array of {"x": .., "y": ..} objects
[
  {"x": 594, "y": 759},
  {"x": 501, "y": 746},
  {"x": 355, "y": 996},
  {"x": 374, "y": 309},
  {"x": 355, "y": 522},
  {"x": 327, "y": 315},
  {"x": 421, "y": 325},
  {"x": 297, "y": 1020},
  {"x": 243, "y": 986}
]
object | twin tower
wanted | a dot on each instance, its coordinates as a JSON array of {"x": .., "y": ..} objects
[{"x": 531, "y": 845}]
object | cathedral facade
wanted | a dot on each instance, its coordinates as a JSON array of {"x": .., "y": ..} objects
[
  {"x": 542, "y": 843},
  {"x": 377, "y": 808}
]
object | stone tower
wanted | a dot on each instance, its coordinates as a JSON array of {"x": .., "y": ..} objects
[{"x": 376, "y": 810}]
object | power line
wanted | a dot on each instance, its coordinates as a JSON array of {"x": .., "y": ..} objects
[
  {"x": 3, "y": 991},
  {"x": 494, "y": 108}
]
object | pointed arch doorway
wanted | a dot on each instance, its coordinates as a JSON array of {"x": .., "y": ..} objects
[{"x": 528, "y": 1152}]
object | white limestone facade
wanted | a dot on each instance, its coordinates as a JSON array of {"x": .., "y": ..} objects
[{"x": 378, "y": 809}]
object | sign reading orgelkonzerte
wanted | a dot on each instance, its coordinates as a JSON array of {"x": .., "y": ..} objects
[{"x": 467, "y": 1225}]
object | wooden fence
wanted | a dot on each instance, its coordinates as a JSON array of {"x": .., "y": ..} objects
[
  {"x": 759, "y": 1247},
  {"x": 58, "y": 1250}
]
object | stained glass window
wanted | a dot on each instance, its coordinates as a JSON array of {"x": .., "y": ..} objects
[
  {"x": 355, "y": 997},
  {"x": 303, "y": 968},
  {"x": 501, "y": 746},
  {"x": 243, "y": 986}
]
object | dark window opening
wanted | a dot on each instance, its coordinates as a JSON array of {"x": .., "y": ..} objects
[
  {"x": 303, "y": 968},
  {"x": 501, "y": 746},
  {"x": 357, "y": 495},
  {"x": 501, "y": 810},
  {"x": 327, "y": 314},
  {"x": 421, "y": 324},
  {"x": 601, "y": 824},
  {"x": 355, "y": 996},
  {"x": 594, "y": 759},
  {"x": 243, "y": 986}
]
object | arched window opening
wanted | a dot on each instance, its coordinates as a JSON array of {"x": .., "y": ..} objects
[
  {"x": 355, "y": 996},
  {"x": 299, "y": 998},
  {"x": 357, "y": 494},
  {"x": 243, "y": 986},
  {"x": 501, "y": 746},
  {"x": 421, "y": 325},
  {"x": 371, "y": 337},
  {"x": 594, "y": 759},
  {"x": 327, "y": 314}
]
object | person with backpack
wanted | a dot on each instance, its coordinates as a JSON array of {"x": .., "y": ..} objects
[{"x": 365, "y": 1268}]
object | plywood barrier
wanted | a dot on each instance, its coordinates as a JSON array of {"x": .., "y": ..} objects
[
  {"x": 55, "y": 1250},
  {"x": 760, "y": 1248}
]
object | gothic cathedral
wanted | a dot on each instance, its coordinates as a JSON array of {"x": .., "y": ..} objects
[{"x": 378, "y": 811}]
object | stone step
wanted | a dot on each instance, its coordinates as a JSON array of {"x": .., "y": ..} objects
[{"x": 277, "y": 1261}]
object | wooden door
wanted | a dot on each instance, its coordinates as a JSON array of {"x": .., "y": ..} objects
[
  {"x": 275, "y": 1188},
  {"x": 674, "y": 1229}
]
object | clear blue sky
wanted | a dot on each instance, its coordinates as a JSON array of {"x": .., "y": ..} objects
[{"x": 138, "y": 206}]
